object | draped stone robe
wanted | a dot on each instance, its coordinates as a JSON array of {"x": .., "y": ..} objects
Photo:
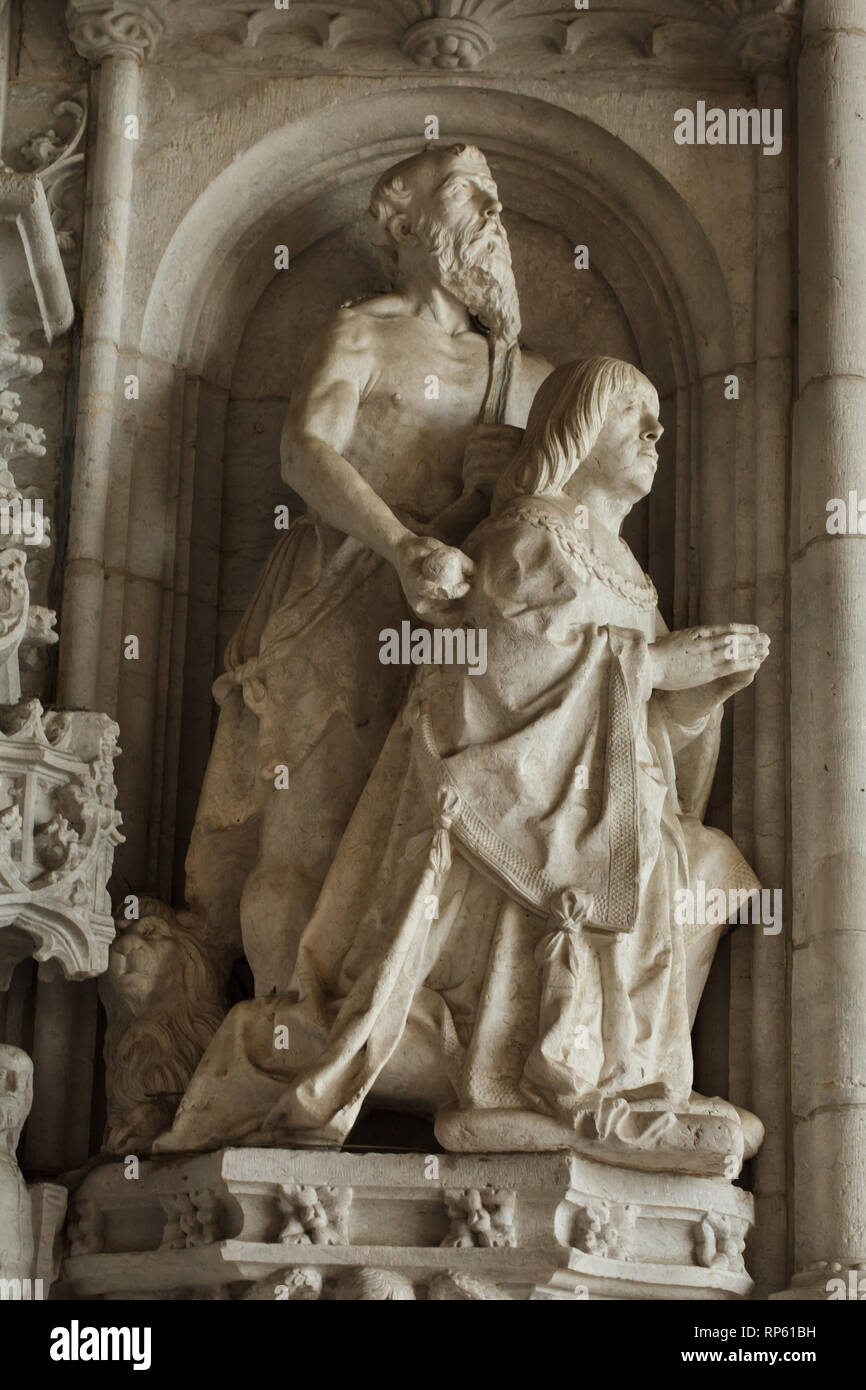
[
  {"x": 16, "y": 1221},
  {"x": 498, "y": 929}
]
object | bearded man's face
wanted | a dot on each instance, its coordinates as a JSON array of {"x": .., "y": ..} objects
[{"x": 458, "y": 225}]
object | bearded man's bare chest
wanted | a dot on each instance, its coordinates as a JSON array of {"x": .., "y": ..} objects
[{"x": 423, "y": 397}]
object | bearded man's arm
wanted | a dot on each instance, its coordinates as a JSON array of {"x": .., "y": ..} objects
[{"x": 319, "y": 426}]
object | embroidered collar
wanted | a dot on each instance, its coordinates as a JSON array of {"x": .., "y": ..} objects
[{"x": 571, "y": 539}]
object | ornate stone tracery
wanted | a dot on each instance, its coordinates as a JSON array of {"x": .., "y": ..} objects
[{"x": 58, "y": 826}]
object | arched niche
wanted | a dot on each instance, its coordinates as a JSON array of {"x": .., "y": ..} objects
[{"x": 563, "y": 181}]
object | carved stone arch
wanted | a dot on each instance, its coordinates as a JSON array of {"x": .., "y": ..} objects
[{"x": 295, "y": 186}]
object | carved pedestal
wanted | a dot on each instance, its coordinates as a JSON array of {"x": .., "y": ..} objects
[
  {"x": 58, "y": 831},
  {"x": 300, "y": 1224}
]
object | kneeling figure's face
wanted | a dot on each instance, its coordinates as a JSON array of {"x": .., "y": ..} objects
[{"x": 625, "y": 455}]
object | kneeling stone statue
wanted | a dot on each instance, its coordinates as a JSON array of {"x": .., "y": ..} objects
[
  {"x": 30, "y": 1217},
  {"x": 497, "y": 943}
]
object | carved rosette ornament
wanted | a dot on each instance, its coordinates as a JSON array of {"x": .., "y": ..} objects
[
  {"x": 447, "y": 42},
  {"x": 113, "y": 29}
]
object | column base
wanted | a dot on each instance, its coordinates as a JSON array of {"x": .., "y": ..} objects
[{"x": 827, "y": 1282}]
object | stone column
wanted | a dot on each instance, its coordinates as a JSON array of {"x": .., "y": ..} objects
[
  {"x": 4, "y": 61},
  {"x": 764, "y": 41},
  {"x": 117, "y": 35},
  {"x": 828, "y": 638}
]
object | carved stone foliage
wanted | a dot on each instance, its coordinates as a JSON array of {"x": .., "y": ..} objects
[
  {"x": 305, "y": 1283},
  {"x": 460, "y": 35},
  {"x": 719, "y": 1242},
  {"x": 480, "y": 1216},
  {"x": 191, "y": 1219},
  {"x": 58, "y": 158},
  {"x": 315, "y": 1216},
  {"x": 113, "y": 28},
  {"x": 23, "y": 527},
  {"x": 59, "y": 830},
  {"x": 600, "y": 1228},
  {"x": 15, "y": 365},
  {"x": 15, "y": 600}
]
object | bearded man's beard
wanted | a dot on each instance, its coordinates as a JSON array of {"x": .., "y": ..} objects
[{"x": 474, "y": 265}]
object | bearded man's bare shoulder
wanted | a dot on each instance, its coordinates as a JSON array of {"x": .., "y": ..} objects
[{"x": 356, "y": 328}]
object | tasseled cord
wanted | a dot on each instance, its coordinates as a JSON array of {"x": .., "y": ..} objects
[
  {"x": 559, "y": 1067},
  {"x": 568, "y": 911},
  {"x": 439, "y": 856}
]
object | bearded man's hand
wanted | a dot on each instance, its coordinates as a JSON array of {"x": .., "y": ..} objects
[{"x": 433, "y": 575}]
